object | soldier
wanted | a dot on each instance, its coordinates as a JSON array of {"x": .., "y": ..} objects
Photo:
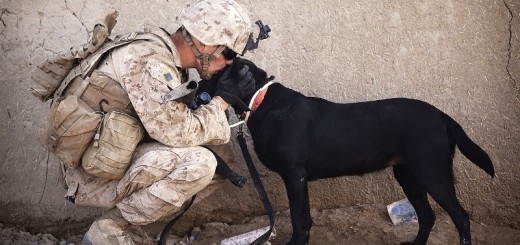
[{"x": 166, "y": 172}]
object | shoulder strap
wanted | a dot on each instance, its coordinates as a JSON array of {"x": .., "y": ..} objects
[{"x": 87, "y": 65}]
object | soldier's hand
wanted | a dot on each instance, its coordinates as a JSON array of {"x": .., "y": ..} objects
[{"x": 234, "y": 86}]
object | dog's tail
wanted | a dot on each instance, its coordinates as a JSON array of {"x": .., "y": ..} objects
[{"x": 469, "y": 148}]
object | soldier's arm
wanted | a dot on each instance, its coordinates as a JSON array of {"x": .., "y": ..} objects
[{"x": 171, "y": 123}]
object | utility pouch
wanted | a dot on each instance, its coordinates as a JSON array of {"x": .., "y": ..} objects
[
  {"x": 70, "y": 126},
  {"x": 101, "y": 93},
  {"x": 86, "y": 190},
  {"x": 48, "y": 76},
  {"x": 109, "y": 154}
]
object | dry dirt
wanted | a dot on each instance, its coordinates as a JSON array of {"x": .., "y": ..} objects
[
  {"x": 359, "y": 225},
  {"x": 462, "y": 56}
]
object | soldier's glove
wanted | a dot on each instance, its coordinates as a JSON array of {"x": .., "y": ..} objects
[{"x": 233, "y": 86}]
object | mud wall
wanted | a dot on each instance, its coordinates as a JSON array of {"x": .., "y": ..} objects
[{"x": 461, "y": 56}]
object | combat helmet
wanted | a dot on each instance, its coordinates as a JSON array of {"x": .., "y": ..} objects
[{"x": 221, "y": 23}]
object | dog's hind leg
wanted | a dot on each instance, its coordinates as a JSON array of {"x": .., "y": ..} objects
[
  {"x": 298, "y": 194},
  {"x": 418, "y": 197},
  {"x": 442, "y": 190},
  {"x": 433, "y": 169}
]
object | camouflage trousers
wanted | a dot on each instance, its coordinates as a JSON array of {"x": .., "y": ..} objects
[{"x": 158, "y": 182}]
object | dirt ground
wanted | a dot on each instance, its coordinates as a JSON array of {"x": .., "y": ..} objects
[
  {"x": 360, "y": 225},
  {"x": 461, "y": 56}
]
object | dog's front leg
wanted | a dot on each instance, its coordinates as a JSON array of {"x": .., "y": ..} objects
[{"x": 297, "y": 192}]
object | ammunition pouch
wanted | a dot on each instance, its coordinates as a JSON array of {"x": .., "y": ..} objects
[
  {"x": 109, "y": 154},
  {"x": 70, "y": 126},
  {"x": 76, "y": 117}
]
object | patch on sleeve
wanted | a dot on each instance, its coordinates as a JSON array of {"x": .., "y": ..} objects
[{"x": 163, "y": 73}]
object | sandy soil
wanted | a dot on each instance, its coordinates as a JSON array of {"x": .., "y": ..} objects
[
  {"x": 360, "y": 225},
  {"x": 461, "y": 56}
]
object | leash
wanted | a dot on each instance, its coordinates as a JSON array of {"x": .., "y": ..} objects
[
  {"x": 222, "y": 169},
  {"x": 258, "y": 186},
  {"x": 167, "y": 228}
]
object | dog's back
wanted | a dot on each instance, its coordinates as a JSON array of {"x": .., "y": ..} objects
[{"x": 336, "y": 139}]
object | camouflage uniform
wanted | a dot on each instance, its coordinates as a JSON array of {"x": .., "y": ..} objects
[
  {"x": 162, "y": 174},
  {"x": 167, "y": 172}
]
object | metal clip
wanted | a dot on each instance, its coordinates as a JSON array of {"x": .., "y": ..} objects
[
  {"x": 125, "y": 37},
  {"x": 240, "y": 130}
]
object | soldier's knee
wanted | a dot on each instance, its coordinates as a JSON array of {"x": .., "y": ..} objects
[
  {"x": 209, "y": 159},
  {"x": 199, "y": 165}
]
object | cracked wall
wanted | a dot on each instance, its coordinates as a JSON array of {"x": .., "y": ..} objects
[
  {"x": 461, "y": 56},
  {"x": 513, "y": 61}
]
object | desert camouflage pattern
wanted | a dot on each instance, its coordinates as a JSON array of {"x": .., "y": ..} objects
[
  {"x": 162, "y": 175},
  {"x": 217, "y": 22},
  {"x": 158, "y": 188},
  {"x": 112, "y": 228},
  {"x": 145, "y": 69},
  {"x": 160, "y": 180}
]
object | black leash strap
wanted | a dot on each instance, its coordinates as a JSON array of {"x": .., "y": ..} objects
[
  {"x": 259, "y": 187},
  {"x": 168, "y": 227},
  {"x": 224, "y": 170}
]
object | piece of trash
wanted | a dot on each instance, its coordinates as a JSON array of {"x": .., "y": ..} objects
[
  {"x": 402, "y": 211},
  {"x": 248, "y": 237}
]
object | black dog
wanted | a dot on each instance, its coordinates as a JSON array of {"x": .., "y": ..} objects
[{"x": 306, "y": 138}]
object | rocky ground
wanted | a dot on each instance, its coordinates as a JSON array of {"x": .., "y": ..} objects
[{"x": 360, "y": 225}]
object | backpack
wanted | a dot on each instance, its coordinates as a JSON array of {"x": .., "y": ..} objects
[{"x": 90, "y": 112}]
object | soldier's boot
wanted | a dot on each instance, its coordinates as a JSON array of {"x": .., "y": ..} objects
[{"x": 112, "y": 229}]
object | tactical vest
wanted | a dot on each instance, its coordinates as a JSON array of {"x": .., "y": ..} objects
[{"x": 91, "y": 121}]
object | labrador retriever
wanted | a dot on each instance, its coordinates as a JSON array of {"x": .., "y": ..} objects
[{"x": 307, "y": 138}]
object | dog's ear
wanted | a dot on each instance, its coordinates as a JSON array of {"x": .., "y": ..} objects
[
  {"x": 258, "y": 73},
  {"x": 209, "y": 86}
]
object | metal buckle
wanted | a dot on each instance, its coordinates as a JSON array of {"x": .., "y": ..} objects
[{"x": 125, "y": 37}]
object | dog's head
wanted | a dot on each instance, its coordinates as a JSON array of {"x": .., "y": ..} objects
[{"x": 260, "y": 76}]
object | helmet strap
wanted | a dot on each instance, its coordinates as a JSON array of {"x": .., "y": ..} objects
[{"x": 204, "y": 59}]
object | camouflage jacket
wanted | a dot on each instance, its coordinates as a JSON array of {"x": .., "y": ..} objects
[{"x": 145, "y": 69}]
